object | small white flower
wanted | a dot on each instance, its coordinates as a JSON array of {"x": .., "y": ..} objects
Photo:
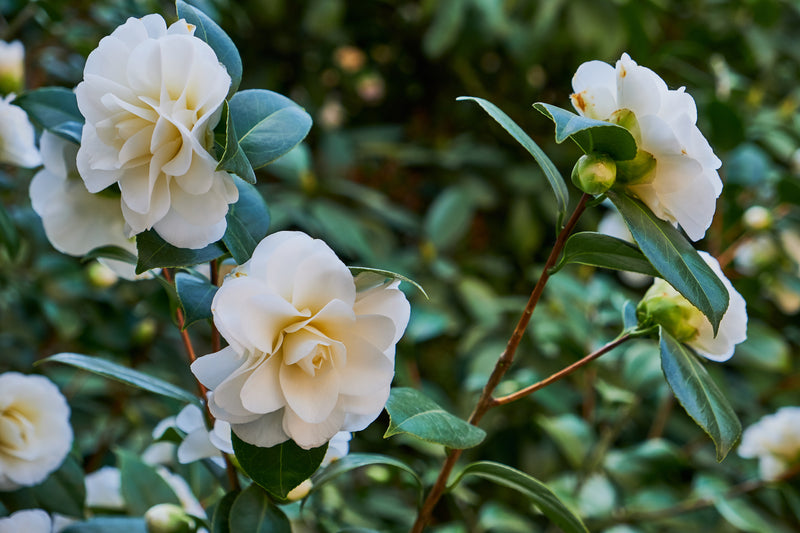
[
  {"x": 151, "y": 96},
  {"x": 338, "y": 447},
  {"x": 694, "y": 328},
  {"x": 683, "y": 186},
  {"x": 775, "y": 441},
  {"x": 17, "y": 138},
  {"x": 27, "y": 521},
  {"x": 309, "y": 355},
  {"x": 104, "y": 489},
  {"x": 200, "y": 443},
  {"x": 12, "y": 66}
]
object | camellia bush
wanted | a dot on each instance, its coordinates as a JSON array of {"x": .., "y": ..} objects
[{"x": 225, "y": 340}]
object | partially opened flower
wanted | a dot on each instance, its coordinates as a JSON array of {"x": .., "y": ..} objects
[
  {"x": 775, "y": 441},
  {"x": 667, "y": 307},
  {"x": 675, "y": 171},
  {"x": 151, "y": 96},
  {"x": 27, "y": 521},
  {"x": 310, "y": 355},
  {"x": 17, "y": 138},
  {"x": 35, "y": 435}
]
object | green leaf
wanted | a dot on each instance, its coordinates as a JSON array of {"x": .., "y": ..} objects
[
  {"x": 592, "y": 136},
  {"x": 220, "y": 521},
  {"x": 629, "y": 319},
  {"x": 674, "y": 258},
  {"x": 108, "y": 524},
  {"x": 550, "y": 171},
  {"x": 280, "y": 468},
  {"x": 54, "y": 109},
  {"x": 535, "y": 490},
  {"x": 353, "y": 461},
  {"x": 8, "y": 233},
  {"x": 373, "y": 277},
  {"x": 61, "y": 492},
  {"x": 253, "y": 512},
  {"x": 604, "y": 251},
  {"x": 111, "y": 252},
  {"x": 248, "y": 222},
  {"x": 142, "y": 487},
  {"x": 267, "y": 124},
  {"x": 219, "y": 41},
  {"x": 155, "y": 252},
  {"x": 195, "y": 294},
  {"x": 412, "y": 412},
  {"x": 124, "y": 374},
  {"x": 233, "y": 158},
  {"x": 699, "y": 395}
]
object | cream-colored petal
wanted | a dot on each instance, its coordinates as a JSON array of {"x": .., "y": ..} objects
[
  {"x": 261, "y": 393},
  {"x": 311, "y": 398},
  {"x": 266, "y": 431},
  {"x": 310, "y": 435}
]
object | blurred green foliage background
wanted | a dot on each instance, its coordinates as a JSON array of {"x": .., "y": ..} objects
[{"x": 396, "y": 174}]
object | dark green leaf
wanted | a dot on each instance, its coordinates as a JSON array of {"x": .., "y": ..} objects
[
  {"x": 195, "y": 294},
  {"x": 124, "y": 374},
  {"x": 220, "y": 521},
  {"x": 412, "y": 412},
  {"x": 280, "y": 468},
  {"x": 111, "y": 252},
  {"x": 604, "y": 251},
  {"x": 8, "y": 233},
  {"x": 61, "y": 492},
  {"x": 357, "y": 460},
  {"x": 674, "y": 258},
  {"x": 374, "y": 277},
  {"x": 248, "y": 222},
  {"x": 550, "y": 171},
  {"x": 54, "y": 109},
  {"x": 233, "y": 158},
  {"x": 217, "y": 39},
  {"x": 267, "y": 124},
  {"x": 592, "y": 136},
  {"x": 699, "y": 395},
  {"x": 142, "y": 487},
  {"x": 155, "y": 252},
  {"x": 108, "y": 524},
  {"x": 253, "y": 512},
  {"x": 537, "y": 491}
]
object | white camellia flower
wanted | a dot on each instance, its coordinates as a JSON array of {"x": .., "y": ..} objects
[
  {"x": 75, "y": 220},
  {"x": 27, "y": 521},
  {"x": 688, "y": 325},
  {"x": 310, "y": 353},
  {"x": 17, "y": 137},
  {"x": 200, "y": 443},
  {"x": 151, "y": 96},
  {"x": 683, "y": 184},
  {"x": 35, "y": 435},
  {"x": 775, "y": 441}
]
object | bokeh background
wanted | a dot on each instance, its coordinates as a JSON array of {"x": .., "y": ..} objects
[{"x": 397, "y": 174}]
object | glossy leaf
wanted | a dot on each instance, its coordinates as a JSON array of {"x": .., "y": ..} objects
[
  {"x": 233, "y": 157},
  {"x": 373, "y": 277},
  {"x": 111, "y": 252},
  {"x": 535, "y": 490},
  {"x": 604, "y": 251},
  {"x": 220, "y": 520},
  {"x": 253, "y": 512},
  {"x": 550, "y": 171},
  {"x": 61, "y": 492},
  {"x": 155, "y": 252},
  {"x": 413, "y": 413},
  {"x": 248, "y": 222},
  {"x": 124, "y": 374},
  {"x": 195, "y": 294},
  {"x": 592, "y": 136},
  {"x": 699, "y": 395},
  {"x": 280, "y": 468},
  {"x": 108, "y": 524},
  {"x": 219, "y": 41},
  {"x": 54, "y": 109},
  {"x": 8, "y": 233},
  {"x": 142, "y": 487},
  {"x": 674, "y": 258},
  {"x": 267, "y": 124},
  {"x": 358, "y": 460}
]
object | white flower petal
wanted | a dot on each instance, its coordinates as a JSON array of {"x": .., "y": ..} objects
[
  {"x": 195, "y": 446},
  {"x": 312, "y": 435},
  {"x": 265, "y": 431},
  {"x": 27, "y": 521}
]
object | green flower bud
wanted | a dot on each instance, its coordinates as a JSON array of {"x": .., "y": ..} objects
[
  {"x": 168, "y": 518},
  {"x": 626, "y": 119},
  {"x": 594, "y": 173},
  {"x": 637, "y": 170},
  {"x": 663, "y": 305}
]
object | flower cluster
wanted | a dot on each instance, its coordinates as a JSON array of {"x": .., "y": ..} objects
[
  {"x": 675, "y": 170},
  {"x": 775, "y": 441},
  {"x": 309, "y": 353}
]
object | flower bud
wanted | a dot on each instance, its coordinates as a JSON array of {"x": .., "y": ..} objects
[
  {"x": 168, "y": 518},
  {"x": 594, "y": 173},
  {"x": 626, "y": 119},
  {"x": 637, "y": 170},
  {"x": 12, "y": 68},
  {"x": 662, "y": 305},
  {"x": 758, "y": 218},
  {"x": 300, "y": 491}
]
